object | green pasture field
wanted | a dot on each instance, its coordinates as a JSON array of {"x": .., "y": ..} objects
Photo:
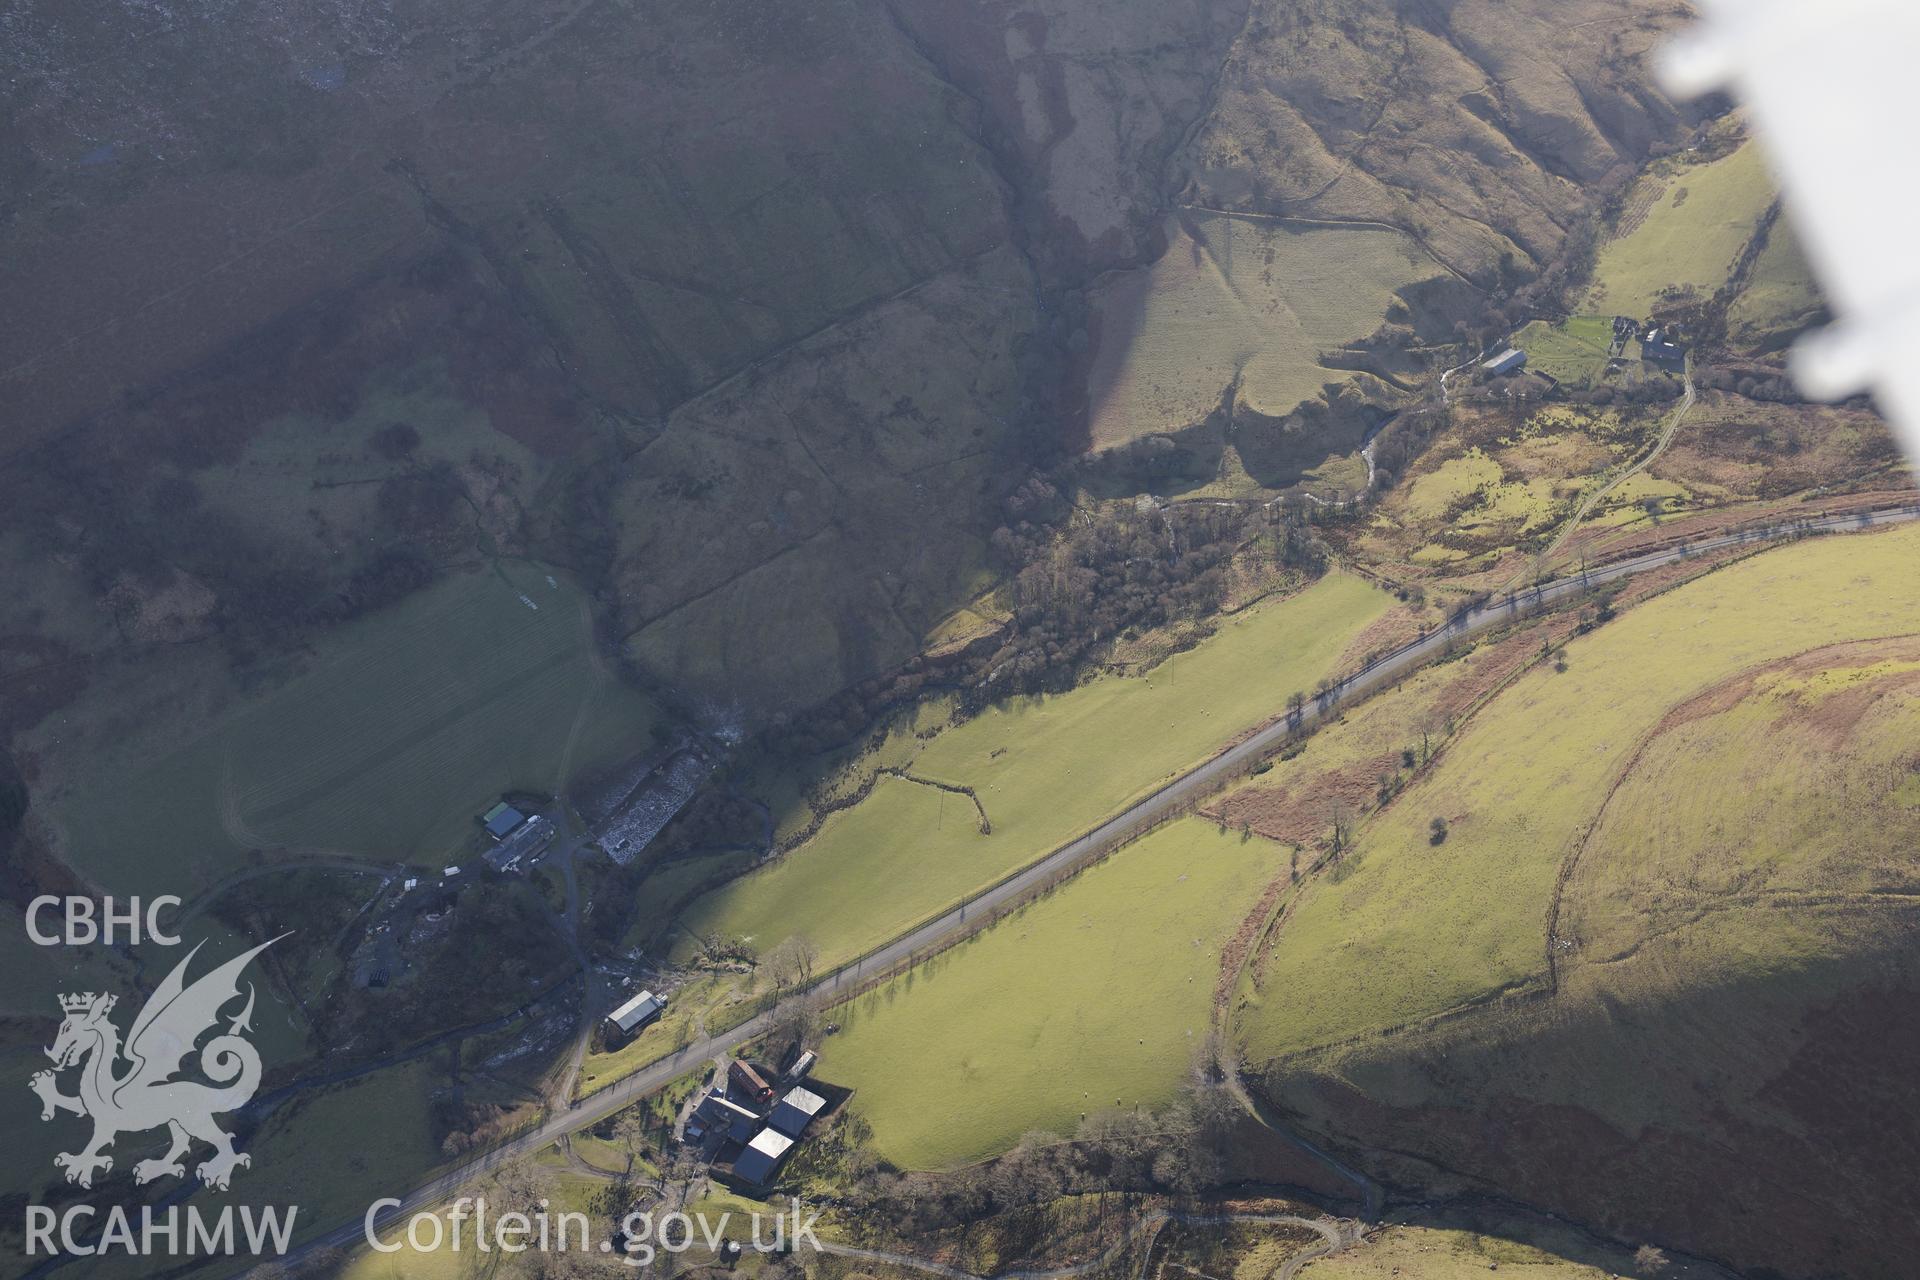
[
  {"x": 384, "y": 743},
  {"x": 1780, "y": 297},
  {"x": 1700, "y": 818},
  {"x": 1408, "y": 929},
  {"x": 329, "y": 1153},
  {"x": 1700, "y": 219},
  {"x": 1045, "y": 768},
  {"x": 1094, "y": 997},
  {"x": 1573, "y": 351}
]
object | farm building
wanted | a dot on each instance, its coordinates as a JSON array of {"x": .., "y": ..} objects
[
  {"x": 801, "y": 1065},
  {"x": 750, "y": 1082},
  {"x": 763, "y": 1157},
  {"x": 502, "y": 820},
  {"x": 636, "y": 1013},
  {"x": 1658, "y": 347},
  {"x": 1511, "y": 360},
  {"x": 720, "y": 1110},
  {"x": 529, "y": 838},
  {"x": 795, "y": 1111}
]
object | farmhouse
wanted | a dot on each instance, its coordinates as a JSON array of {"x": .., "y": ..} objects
[
  {"x": 636, "y": 1013},
  {"x": 795, "y": 1111},
  {"x": 1509, "y": 361},
  {"x": 763, "y": 1157},
  {"x": 502, "y": 820},
  {"x": 722, "y": 1111}
]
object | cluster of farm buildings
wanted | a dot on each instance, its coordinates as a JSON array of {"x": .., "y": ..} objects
[
  {"x": 744, "y": 1126},
  {"x": 1659, "y": 346}
]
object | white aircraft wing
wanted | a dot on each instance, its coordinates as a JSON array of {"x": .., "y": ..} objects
[{"x": 1833, "y": 89}]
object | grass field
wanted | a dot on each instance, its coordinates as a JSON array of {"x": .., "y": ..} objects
[
  {"x": 1044, "y": 768},
  {"x": 1342, "y": 764},
  {"x": 384, "y": 743},
  {"x": 1700, "y": 820},
  {"x": 667, "y": 887},
  {"x": 1699, "y": 219},
  {"x": 1409, "y": 929},
  {"x": 330, "y": 1153},
  {"x": 1097, "y": 996},
  {"x": 1780, "y": 298},
  {"x": 1573, "y": 351},
  {"x": 1235, "y": 298},
  {"x": 1737, "y": 924}
]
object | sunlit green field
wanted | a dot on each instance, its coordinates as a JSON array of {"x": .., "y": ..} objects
[
  {"x": 1692, "y": 234},
  {"x": 1572, "y": 351},
  {"x": 1411, "y": 929},
  {"x": 1097, "y": 996},
  {"x": 1700, "y": 820},
  {"x": 1045, "y": 768}
]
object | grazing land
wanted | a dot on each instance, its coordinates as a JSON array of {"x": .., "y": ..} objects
[
  {"x": 1731, "y": 921},
  {"x": 1698, "y": 822},
  {"x": 384, "y": 743},
  {"x": 1044, "y": 769},
  {"x": 1779, "y": 298},
  {"x": 1410, "y": 929},
  {"x": 1239, "y": 307},
  {"x": 1684, "y": 231},
  {"x": 1574, "y": 351},
  {"x": 1097, "y": 996}
]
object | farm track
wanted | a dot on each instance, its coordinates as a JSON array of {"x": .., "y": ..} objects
[
  {"x": 1159, "y": 805},
  {"x": 1652, "y": 455}
]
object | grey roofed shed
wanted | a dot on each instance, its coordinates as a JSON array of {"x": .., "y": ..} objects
[
  {"x": 638, "y": 1011},
  {"x": 794, "y": 1111},
  {"x": 763, "y": 1156}
]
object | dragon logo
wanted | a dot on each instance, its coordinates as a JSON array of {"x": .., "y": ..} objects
[{"x": 148, "y": 1093}]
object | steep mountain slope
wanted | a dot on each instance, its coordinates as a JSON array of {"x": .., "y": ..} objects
[
  {"x": 1482, "y": 128},
  {"x": 743, "y": 315}
]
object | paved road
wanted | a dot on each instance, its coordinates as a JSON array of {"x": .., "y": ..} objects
[{"x": 1190, "y": 786}]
